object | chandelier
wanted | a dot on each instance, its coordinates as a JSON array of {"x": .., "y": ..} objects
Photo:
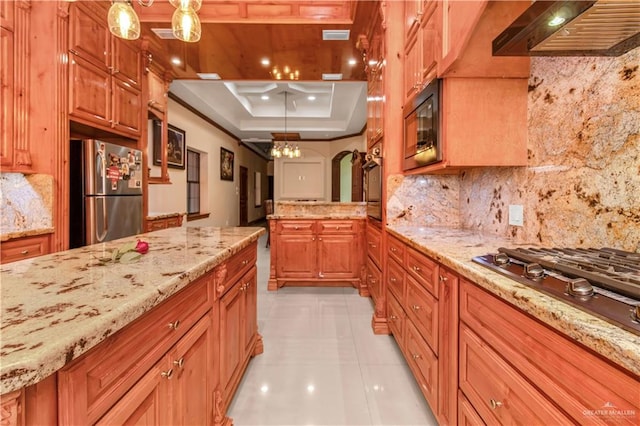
[
  {"x": 124, "y": 23},
  {"x": 279, "y": 150},
  {"x": 286, "y": 73}
]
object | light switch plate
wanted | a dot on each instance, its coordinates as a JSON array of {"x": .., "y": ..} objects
[{"x": 516, "y": 215}]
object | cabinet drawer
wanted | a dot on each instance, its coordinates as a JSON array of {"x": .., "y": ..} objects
[
  {"x": 423, "y": 269},
  {"x": 295, "y": 226},
  {"x": 551, "y": 362},
  {"x": 90, "y": 385},
  {"x": 467, "y": 415},
  {"x": 174, "y": 222},
  {"x": 396, "y": 280},
  {"x": 336, "y": 226},
  {"x": 236, "y": 266},
  {"x": 396, "y": 320},
  {"x": 374, "y": 248},
  {"x": 424, "y": 363},
  {"x": 395, "y": 249},
  {"x": 24, "y": 248},
  {"x": 374, "y": 279},
  {"x": 497, "y": 391},
  {"x": 155, "y": 225},
  {"x": 422, "y": 309}
]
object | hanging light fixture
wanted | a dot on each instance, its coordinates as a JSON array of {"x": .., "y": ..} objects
[
  {"x": 285, "y": 150},
  {"x": 185, "y": 23},
  {"x": 123, "y": 21}
]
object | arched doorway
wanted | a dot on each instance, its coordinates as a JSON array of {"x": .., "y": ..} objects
[{"x": 347, "y": 166}]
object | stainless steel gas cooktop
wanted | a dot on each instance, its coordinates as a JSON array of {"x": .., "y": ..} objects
[{"x": 604, "y": 282}]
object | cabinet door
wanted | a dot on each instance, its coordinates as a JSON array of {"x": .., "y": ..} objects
[
  {"x": 231, "y": 337},
  {"x": 157, "y": 92},
  {"x": 89, "y": 36},
  {"x": 423, "y": 362},
  {"x": 89, "y": 92},
  {"x": 127, "y": 65},
  {"x": 147, "y": 402},
  {"x": 250, "y": 317},
  {"x": 6, "y": 96},
  {"x": 192, "y": 375},
  {"x": 127, "y": 104},
  {"x": 296, "y": 256},
  {"x": 422, "y": 309},
  {"x": 337, "y": 256},
  {"x": 412, "y": 68}
]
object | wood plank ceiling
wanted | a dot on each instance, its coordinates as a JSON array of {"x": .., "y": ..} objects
[{"x": 237, "y": 35}]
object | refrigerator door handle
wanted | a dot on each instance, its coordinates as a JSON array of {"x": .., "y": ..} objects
[{"x": 105, "y": 222}]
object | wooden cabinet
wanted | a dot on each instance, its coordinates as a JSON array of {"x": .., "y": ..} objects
[
  {"x": 419, "y": 46},
  {"x": 104, "y": 74},
  {"x": 24, "y": 248},
  {"x": 316, "y": 252},
  {"x": 374, "y": 52},
  {"x": 15, "y": 145},
  {"x": 163, "y": 222},
  {"x": 533, "y": 369},
  {"x": 375, "y": 281},
  {"x": 448, "y": 288}
]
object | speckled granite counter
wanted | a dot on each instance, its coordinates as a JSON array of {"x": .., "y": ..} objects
[
  {"x": 318, "y": 210},
  {"x": 26, "y": 233},
  {"x": 56, "y": 307},
  {"x": 455, "y": 248},
  {"x": 155, "y": 216}
]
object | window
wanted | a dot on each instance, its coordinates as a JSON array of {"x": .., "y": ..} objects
[{"x": 193, "y": 182}]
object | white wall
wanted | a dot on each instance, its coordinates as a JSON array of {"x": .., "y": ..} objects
[
  {"x": 319, "y": 150},
  {"x": 218, "y": 198}
]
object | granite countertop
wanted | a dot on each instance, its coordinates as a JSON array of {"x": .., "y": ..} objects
[
  {"x": 315, "y": 216},
  {"x": 455, "y": 248},
  {"x": 155, "y": 215},
  {"x": 56, "y": 307},
  {"x": 26, "y": 233}
]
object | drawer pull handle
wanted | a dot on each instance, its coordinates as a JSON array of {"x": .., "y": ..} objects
[
  {"x": 179, "y": 362},
  {"x": 393, "y": 249},
  {"x": 168, "y": 374},
  {"x": 244, "y": 262},
  {"x": 418, "y": 356},
  {"x": 443, "y": 278},
  {"x": 24, "y": 252},
  {"x": 415, "y": 307},
  {"x": 495, "y": 404},
  {"x": 337, "y": 228},
  {"x": 416, "y": 268},
  {"x": 392, "y": 279},
  {"x": 174, "y": 325},
  {"x": 393, "y": 317}
]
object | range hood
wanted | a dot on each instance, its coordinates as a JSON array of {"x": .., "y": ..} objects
[{"x": 572, "y": 28}]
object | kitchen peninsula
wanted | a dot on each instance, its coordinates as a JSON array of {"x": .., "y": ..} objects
[
  {"x": 316, "y": 243},
  {"x": 86, "y": 340}
]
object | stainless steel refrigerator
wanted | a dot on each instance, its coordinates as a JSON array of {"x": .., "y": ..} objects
[{"x": 105, "y": 192}]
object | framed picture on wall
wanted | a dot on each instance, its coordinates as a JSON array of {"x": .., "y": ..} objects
[
  {"x": 176, "y": 143},
  {"x": 226, "y": 164}
]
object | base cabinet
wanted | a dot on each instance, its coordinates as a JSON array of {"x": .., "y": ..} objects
[
  {"x": 24, "y": 248},
  {"x": 316, "y": 252}
]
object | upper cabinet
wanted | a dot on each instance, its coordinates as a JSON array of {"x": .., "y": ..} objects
[
  {"x": 372, "y": 46},
  {"x": 15, "y": 148},
  {"x": 421, "y": 39},
  {"x": 104, "y": 74}
]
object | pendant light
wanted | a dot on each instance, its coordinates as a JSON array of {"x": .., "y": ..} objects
[
  {"x": 123, "y": 21},
  {"x": 286, "y": 150},
  {"x": 186, "y": 25},
  {"x": 186, "y": 4}
]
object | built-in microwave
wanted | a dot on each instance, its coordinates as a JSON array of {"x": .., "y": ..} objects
[
  {"x": 373, "y": 184},
  {"x": 422, "y": 128}
]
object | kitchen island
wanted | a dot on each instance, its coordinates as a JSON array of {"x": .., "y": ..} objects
[
  {"x": 485, "y": 348},
  {"x": 88, "y": 340},
  {"x": 317, "y": 244}
]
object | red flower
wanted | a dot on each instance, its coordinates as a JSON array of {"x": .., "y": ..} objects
[{"x": 142, "y": 247}]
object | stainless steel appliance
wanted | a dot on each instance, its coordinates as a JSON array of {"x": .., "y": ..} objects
[
  {"x": 373, "y": 184},
  {"x": 105, "y": 192},
  {"x": 604, "y": 282},
  {"x": 422, "y": 124}
]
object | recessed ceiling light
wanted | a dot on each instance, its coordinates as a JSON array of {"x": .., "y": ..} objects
[
  {"x": 352, "y": 62},
  {"x": 335, "y": 35},
  {"x": 311, "y": 98},
  {"x": 329, "y": 76},
  {"x": 264, "y": 97},
  {"x": 209, "y": 76},
  {"x": 176, "y": 61},
  {"x": 265, "y": 62},
  {"x": 556, "y": 21}
]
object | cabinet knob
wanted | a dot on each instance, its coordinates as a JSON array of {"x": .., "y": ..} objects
[
  {"x": 418, "y": 356},
  {"x": 415, "y": 307},
  {"x": 393, "y": 317},
  {"x": 392, "y": 279},
  {"x": 24, "y": 252},
  {"x": 495, "y": 404},
  {"x": 319, "y": 239},
  {"x": 443, "y": 278},
  {"x": 179, "y": 362},
  {"x": 296, "y": 228},
  {"x": 337, "y": 228},
  {"x": 174, "y": 325},
  {"x": 416, "y": 268},
  {"x": 168, "y": 374},
  {"x": 313, "y": 238},
  {"x": 393, "y": 249},
  {"x": 244, "y": 262}
]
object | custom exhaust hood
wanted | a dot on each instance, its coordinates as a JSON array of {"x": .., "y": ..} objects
[{"x": 572, "y": 28}]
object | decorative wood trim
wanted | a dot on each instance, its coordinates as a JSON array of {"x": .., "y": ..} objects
[
  {"x": 11, "y": 409},
  {"x": 191, "y": 217}
]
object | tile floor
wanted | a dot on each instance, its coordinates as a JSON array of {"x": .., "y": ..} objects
[{"x": 322, "y": 364}]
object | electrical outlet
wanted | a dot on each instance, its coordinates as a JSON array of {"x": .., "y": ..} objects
[{"x": 516, "y": 215}]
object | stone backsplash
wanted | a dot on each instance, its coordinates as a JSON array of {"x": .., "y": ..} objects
[
  {"x": 26, "y": 203},
  {"x": 582, "y": 183}
]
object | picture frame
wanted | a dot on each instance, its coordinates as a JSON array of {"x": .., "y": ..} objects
[
  {"x": 226, "y": 164},
  {"x": 176, "y": 146}
]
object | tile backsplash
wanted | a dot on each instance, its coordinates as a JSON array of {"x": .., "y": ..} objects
[
  {"x": 582, "y": 183},
  {"x": 25, "y": 202}
]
